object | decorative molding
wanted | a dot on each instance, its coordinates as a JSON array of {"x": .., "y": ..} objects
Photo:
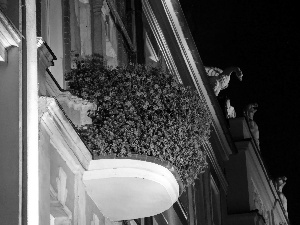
[
  {"x": 194, "y": 65},
  {"x": 160, "y": 38},
  {"x": 212, "y": 157},
  {"x": 260, "y": 177},
  {"x": 45, "y": 55},
  {"x": 64, "y": 137},
  {"x": 9, "y": 36}
]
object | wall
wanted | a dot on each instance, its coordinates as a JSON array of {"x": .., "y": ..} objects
[{"x": 9, "y": 138}]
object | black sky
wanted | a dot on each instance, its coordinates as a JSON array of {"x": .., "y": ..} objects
[{"x": 262, "y": 38}]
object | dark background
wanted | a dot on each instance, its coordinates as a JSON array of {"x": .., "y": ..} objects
[{"x": 262, "y": 38}]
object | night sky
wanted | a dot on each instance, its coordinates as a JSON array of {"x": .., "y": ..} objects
[{"x": 262, "y": 38}]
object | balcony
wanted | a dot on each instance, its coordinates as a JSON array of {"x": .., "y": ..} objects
[
  {"x": 144, "y": 152},
  {"x": 131, "y": 188}
]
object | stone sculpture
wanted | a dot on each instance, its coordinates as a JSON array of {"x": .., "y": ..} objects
[
  {"x": 249, "y": 112},
  {"x": 219, "y": 79},
  {"x": 230, "y": 111},
  {"x": 279, "y": 184}
]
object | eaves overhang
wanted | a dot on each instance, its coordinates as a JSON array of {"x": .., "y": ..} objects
[{"x": 188, "y": 62}]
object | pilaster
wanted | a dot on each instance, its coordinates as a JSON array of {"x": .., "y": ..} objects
[
  {"x": 98, "y": 34},
  {"x": 85, "y": 27}
]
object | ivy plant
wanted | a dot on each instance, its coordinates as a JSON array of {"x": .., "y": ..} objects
[{"x": 142, "y": 110}]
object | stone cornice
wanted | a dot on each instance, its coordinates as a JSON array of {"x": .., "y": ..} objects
[
  {"x": 9, "y": 36},
  {"x": 191, "y": 60}
]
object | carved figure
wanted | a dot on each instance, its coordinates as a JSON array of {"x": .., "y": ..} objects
[
  {"x": 230, "y": 111},
  {"x": 219, "y": 79},
  {"x": 249, "y": 112},
  {"x": 280, "y": 182}
]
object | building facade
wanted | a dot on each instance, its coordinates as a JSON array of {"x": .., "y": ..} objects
[{"x": 48, "y": 174}]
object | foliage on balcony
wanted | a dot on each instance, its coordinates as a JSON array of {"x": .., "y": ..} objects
[{"x": 142, "y": 110}]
